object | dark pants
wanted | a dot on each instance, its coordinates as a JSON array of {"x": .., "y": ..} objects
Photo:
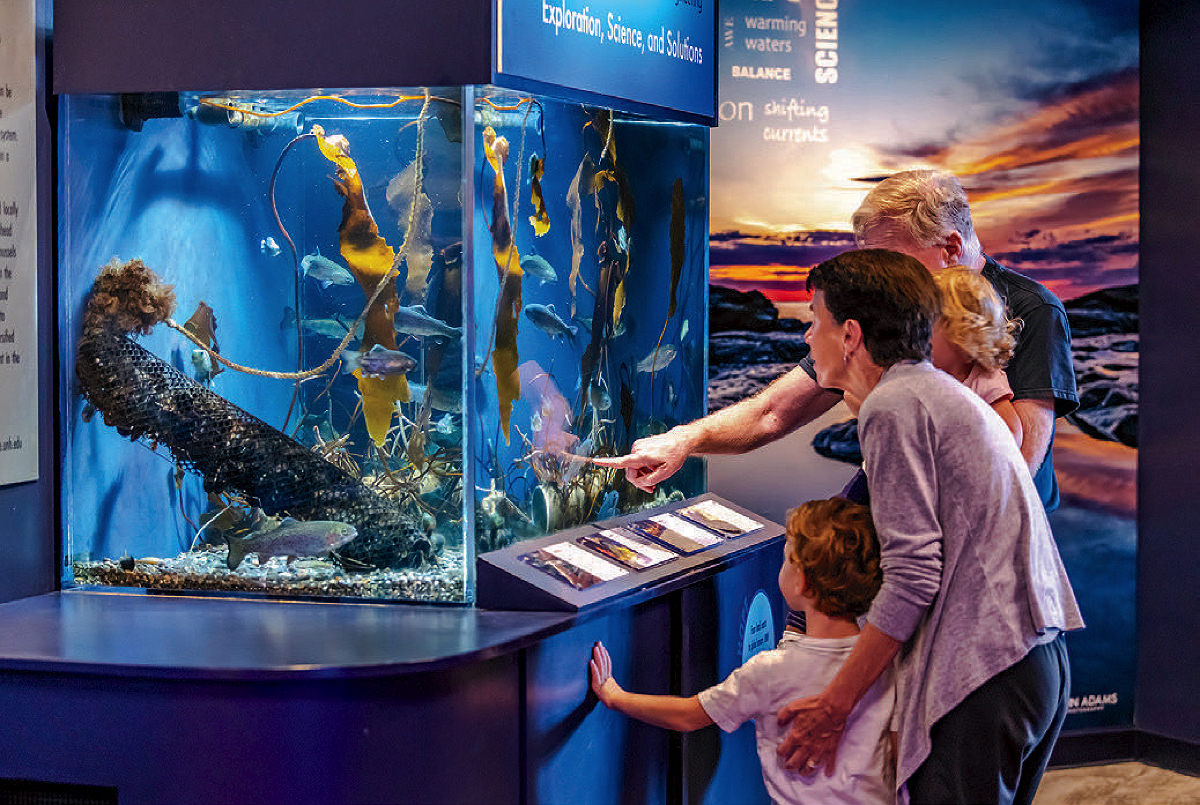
[{"x": 993, "y": 748}]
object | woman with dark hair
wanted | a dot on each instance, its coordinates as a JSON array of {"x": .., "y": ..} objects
[{"x": 974, "y": 596}]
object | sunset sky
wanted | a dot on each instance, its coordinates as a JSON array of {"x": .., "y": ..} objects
[{"x": 1034, "y": 106}]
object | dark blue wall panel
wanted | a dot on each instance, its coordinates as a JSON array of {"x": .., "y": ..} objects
[
  {"x": 375, "y": 740},
  {"x": 1168, "y": 684},
  {"x": 723, "y": 767},
  {"x": 147, "y": 45},
  {"x": 578, "y": 750}
]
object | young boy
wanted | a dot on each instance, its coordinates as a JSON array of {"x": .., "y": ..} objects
[{"x": 830, "y": 572}]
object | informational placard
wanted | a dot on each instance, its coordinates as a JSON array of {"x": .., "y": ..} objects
[
  {"x": 18, "y": 245},
  {"x": 722, "y": 519},
  {"x": 758, "y": 626},
  {"x": 622, "y": 547},
  {"x": 675, "y": 533},
  {"x": 657, "y": 52},
  {"x": 572, "y": 565}
]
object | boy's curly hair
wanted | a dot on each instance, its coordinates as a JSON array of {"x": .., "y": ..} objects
[
  {"x": 974, "y": 317},
  {"x": 834, "y": 543}
]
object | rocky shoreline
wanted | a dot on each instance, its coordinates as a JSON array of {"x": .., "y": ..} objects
[{"x": 750, "y": 345}]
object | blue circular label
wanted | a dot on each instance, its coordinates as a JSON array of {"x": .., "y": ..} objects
[{"x": 758, "y": 630}]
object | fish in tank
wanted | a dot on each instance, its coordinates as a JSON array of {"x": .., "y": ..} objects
[
  {"x": 409, "y": 319},
  {"x": 591, "y": 317}
]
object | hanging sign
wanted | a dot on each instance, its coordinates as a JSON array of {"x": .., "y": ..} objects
[{"x": 656, "y": 52}]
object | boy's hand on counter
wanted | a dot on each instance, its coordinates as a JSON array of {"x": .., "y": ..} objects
[{"x": 603, "y": 684}]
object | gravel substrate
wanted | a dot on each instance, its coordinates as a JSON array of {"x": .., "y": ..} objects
[{"x": 206, "y": 570}]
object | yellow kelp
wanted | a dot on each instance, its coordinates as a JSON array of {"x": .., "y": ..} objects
[
  {"x": 508, "y": 267},
  {"x": 370, "y": 259},
  {"x": 540, "y": 218}
]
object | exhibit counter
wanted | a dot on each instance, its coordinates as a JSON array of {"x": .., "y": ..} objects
[{"x": 140, "y": 697}]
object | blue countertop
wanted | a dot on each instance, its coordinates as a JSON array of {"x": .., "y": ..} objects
[{"x": 190, "y": 637}]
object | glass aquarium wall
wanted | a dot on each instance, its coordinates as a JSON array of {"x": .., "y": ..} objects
[
  {"x": 590, "y": 243},
  {"x": 260, "y": 292},
  {"x": 333, "y": 344}
]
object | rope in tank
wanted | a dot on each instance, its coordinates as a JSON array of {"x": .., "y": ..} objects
[{"x": 379, "y": 288}]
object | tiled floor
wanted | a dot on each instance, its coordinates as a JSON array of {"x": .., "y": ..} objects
[{"x": 1118, "y": 784}]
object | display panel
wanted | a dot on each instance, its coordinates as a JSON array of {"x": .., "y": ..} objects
[
  {"x": 656, "y": 52},
  {"x": 626, "y": 548}
]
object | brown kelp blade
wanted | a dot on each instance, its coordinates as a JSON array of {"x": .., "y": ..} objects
[
  {"x": 508, "y": 268},
  {"x": 370, "y": 259},
  {"x": 540, "y": 220},
  {"x": 678, "y": 243}
]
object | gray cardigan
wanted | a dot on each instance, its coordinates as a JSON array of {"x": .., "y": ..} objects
[{"x": 972, "y": 579}]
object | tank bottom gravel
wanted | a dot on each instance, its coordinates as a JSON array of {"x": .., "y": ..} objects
[{"x": 206, "y": 570}]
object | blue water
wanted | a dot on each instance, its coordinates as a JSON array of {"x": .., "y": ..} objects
[
  {"x": 191, "y": 196},
  {"x": 597, "y": 364},
  {"x": 193, "y": 200}
]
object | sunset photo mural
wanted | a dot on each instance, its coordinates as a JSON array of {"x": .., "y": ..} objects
[{"x": 1035, "y": 108}]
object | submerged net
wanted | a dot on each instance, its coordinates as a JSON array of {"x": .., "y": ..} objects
[{"x": 143, "y": 396}]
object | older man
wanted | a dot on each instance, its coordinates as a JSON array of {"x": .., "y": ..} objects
[{"x": 925, "y": 214}]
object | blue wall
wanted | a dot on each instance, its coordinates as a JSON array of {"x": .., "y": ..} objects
[
  {"x": 27, "y": 531},
  {"x": 1168, "y": 684}
]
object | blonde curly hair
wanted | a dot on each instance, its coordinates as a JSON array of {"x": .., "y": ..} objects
[{"x": 974, "y": 317}]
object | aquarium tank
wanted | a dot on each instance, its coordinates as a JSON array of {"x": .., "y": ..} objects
[{"x": 334, "y": 344}]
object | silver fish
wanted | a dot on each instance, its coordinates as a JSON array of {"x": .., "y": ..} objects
[
  {"x": 656, "y": 362},
  {"x": 269, "y": 247},
  {"x": 324, "y": 270},
  {"x": 378, "y": 361},
  {"x": 683, "y": 331},
  {"x": 447, "y": 432},
  {"x": 416, "y": 320},
  {"x": 202, "y": 363},
  {"x": 330, "y": 328},
  {"x": 291, "y": 538},
  {"x": 544, "y": 317},
  {"x": 536, "y": 266},
  {"x": 599, "y": 397},
  {"x": 586, "y": 321},
  {"x": 441, "y": 399}
]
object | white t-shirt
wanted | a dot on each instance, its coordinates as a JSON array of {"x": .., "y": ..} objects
[{"x": 798, "y": 667}]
